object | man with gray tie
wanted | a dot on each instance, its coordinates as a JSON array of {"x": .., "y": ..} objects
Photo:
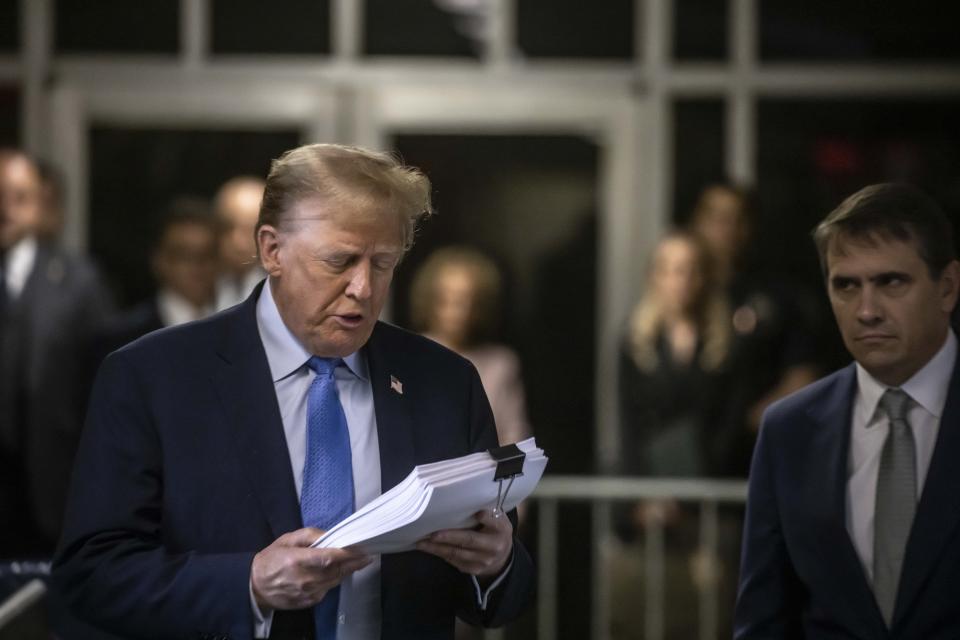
[
  {"x": 216, "y": 452},
  {"x": 853, "y": 515}
]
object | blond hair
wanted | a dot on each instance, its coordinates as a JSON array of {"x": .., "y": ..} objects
[
  {"x": 711, "y": 313},
  {"x": 354, "y": 178},
  {"x": 486, "y": 280}
]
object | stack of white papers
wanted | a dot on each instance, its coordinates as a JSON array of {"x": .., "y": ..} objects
[{"x": 435, "y": 496}]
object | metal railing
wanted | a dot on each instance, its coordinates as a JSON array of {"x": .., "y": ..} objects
[{"x": 602, "y": 493}]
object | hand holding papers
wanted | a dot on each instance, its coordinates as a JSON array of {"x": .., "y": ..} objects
[{"x": 435, "y": 496}]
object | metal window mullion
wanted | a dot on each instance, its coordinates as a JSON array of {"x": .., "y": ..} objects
[
  {"x": 194, "y": 32},
  {"x": 347, "y": 30},
  {"x": 654, "y": 581},
  {"x": 37, "y": 35},
  {"x": 741, "y": 125},
  {"x": 601, "y": 514},
  {"x": 709, "y": 596},
  {"x": 547, "y": 569},
  {"x": 500, "y": 34}
]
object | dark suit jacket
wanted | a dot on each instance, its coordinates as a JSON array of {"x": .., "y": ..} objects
[
  {"x": 127, "y": 327},
  {"x": 45, "y": 341},
  {"x": 183, "y": 474},
  {"x": 800, "y": 576}
]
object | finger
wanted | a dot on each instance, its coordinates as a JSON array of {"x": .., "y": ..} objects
[
  {"x": 300, "y": 538},
  {"x": 494, "y": 519},
  {"x": 481, "y": 540},
  {"x": 344, "y": 569},
  {"x": 330, "y": 577},
  {"x": 458, "y": 556},
  {"x": 324, "y": 558}
]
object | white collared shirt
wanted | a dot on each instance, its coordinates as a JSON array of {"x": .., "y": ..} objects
[
  {"x": 19, "y": 263},
  {"x": 869, "y": 428},
  {"x": 174, "y": 309},
  {"x": 232, "y": 290},
  {"x": 359, "y": 612}
]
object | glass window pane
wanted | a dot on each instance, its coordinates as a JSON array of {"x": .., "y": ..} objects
[
  {"x": 9, "y": 116},
  {"x": 136, "y": 172},
  {"x": 700, "y": 29},
  {"x": 9, "y": 25},
  {"x": 698, "y": 139},
  {"x": 422, "y": 28},
  {"x": 280, "y": 26},
  {"x": 857, "y": 31},
  {"x": 117, "y": 26},
  {"x": 576, "y": 29}
]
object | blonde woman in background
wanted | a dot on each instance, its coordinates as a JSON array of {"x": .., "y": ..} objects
[
  {"x": 673, "y": 373},
  {"x": 455, "y": 301},
  {"x": 673, "y": 363}
]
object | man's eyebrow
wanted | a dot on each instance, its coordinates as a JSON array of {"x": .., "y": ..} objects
[
  {"x": 887, "y": 275},
  {"x": 840, "y": 277}
]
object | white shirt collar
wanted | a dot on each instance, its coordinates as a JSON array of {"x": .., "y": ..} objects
[
  {"x": 928, "y": 387},
  {"x": 285, "y": 354},
  {"x": 19, "y": 263},
  {"x": 174, "y": 309}
]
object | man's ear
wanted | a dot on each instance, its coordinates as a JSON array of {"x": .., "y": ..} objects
[
  {"x": 268, "y": 246},
  {"x": 949, "y": 286}
]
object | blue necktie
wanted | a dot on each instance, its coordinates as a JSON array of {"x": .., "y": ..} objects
[{"x": 326, "y": 497}]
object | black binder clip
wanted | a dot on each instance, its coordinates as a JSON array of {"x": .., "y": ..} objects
[{"x": 509, "y": 465}]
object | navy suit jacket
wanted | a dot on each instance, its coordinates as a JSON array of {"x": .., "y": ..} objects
[
  {"x": 800, "y": 576},
  {"x": 184, "y": 474}
]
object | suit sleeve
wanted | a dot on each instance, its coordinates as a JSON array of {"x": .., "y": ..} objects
[
  {"x": 770, "y": 594},
  {"x": 112, "y": 567},
  {"x": 511, "y": 597}
]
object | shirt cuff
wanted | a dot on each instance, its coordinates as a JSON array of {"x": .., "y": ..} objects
[
  {"x": 261, "y": 622},
  {"x": 483, "y": 598}
]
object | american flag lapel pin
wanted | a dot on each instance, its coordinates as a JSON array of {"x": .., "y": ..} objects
[{"x": 396, "y": 385}]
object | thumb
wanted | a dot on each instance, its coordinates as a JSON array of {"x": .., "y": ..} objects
[{"x": 301, "y": 537}]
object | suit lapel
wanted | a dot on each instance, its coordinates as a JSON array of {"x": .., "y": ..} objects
[
  {"x": 828, "y": 487},
  {"x": 243, "y": 382},
  {"x": 394, "y": 421},
  {"x": 938, "y": 513}
]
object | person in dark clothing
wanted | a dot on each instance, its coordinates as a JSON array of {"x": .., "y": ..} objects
[
  {"x": 673, "y": 374},
  {"x": 184, "y": 264},
  {"x": 773, "y": 351},
  {"x": 51, "y": 305},
  {"x": 672, "y": 365}
]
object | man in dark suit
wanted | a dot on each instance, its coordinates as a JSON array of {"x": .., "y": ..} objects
[
  {"x": 184, "y": 265},
  {"x": 51, "y": 303},
  {"x": 210, "y": 446},
  {"x": 853, "y": 516}
]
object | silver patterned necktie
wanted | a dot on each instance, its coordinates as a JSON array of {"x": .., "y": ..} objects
[{"x": 896, "y": 501}]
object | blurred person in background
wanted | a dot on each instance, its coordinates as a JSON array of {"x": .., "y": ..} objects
[
  {"x": 673, "y": 375},
  {"x": 51, "y": 305},
  {"x": 773, "y": 351},
  {"x": 237, "y": 207},
  {"x": 455, "y": 301},
  {"x": 51, "y": 222},
  {"x": 184, "y": 264}
]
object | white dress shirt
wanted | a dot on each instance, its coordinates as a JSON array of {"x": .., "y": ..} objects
[
  {"x": 359, "y": 612},
  {"x": 870, "y": 425},
  {"x": 232, "y": 290},
  {"x": 174, "y": 309},
  {"x": 19, "y": 263}
]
